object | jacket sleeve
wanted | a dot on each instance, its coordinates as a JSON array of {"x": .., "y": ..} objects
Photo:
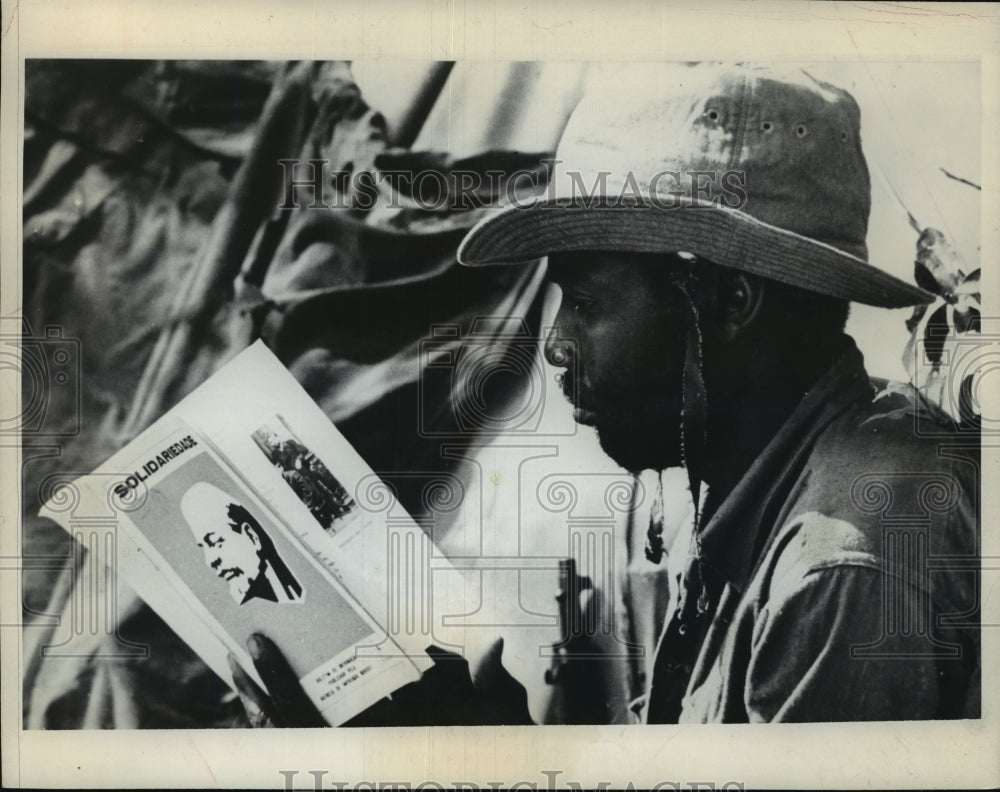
[{"x": 820, "y": 652}]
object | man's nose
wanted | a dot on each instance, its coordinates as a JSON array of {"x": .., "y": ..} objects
[{"x": 557, "y": 349}]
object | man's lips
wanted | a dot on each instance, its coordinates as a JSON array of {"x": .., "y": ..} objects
[{"x": 581, "y": 414}]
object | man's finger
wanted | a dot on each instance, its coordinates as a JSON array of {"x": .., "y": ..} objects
[
  {"x": 255, "y": 701},
  {"x": 292, "y": 706}
]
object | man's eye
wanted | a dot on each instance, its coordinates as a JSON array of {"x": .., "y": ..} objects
[{"x": 581, "y": 304}]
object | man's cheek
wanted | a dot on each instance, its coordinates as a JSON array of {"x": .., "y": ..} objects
[{"x": 599, "y": 370}]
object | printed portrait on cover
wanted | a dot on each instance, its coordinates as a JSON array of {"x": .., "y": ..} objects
[{"x": 237, "y": 548}]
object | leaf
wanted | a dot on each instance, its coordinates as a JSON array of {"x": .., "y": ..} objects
[
  {"x": 925, "y": 280},
  {"x": 915, "y": 317},
  {"x": 967, "y": 321},
  {"x": 937, "y": 258},
  {"x": 935, "y": 333},
  {"x": 968, "y": 289}
]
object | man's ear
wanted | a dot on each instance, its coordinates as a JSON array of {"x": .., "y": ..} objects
[
  {"x": 739, "y": 297},
  {"x": 251, "y": 533}
]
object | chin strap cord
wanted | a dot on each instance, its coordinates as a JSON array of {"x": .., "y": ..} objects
[
  {"x": 694, "y": 419},
  {"x": 654, "y": 534}
]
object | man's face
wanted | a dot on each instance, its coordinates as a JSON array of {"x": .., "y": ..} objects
[
  {"x": 233, "y": 557},
  {"x": 626, "y": 353}
]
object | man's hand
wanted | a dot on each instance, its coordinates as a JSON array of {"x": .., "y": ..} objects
[
  {"x": 445, "y": 695},
  {"x": 284, "y": 704}
]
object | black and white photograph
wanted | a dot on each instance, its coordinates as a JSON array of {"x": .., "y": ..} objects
[
  {"x": 307, "y": 476},
  {"x": 685, "y": 364}
]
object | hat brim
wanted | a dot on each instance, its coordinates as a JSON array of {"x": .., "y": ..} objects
[{"x": 725, "y": 236}]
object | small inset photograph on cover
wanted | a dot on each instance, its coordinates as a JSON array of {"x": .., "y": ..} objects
[{"x": 306, "y": 475}]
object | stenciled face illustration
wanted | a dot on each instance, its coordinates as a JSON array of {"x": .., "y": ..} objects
[
  {"x": 236, "y": 548},
  {"x": 233, "y": 556}
]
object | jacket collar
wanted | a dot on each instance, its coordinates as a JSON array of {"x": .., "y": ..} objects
[{"x": 731, "y": 540}]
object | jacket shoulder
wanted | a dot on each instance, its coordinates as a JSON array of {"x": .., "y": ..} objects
[{"x": 871, "y": 478}]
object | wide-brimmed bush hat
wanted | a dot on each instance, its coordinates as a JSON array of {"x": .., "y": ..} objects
[{"x": 754, "y": 168}]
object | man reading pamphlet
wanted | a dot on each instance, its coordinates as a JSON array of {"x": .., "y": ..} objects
[
  {"x": 828, "y": 567},
  {"x": 225, "y": 552}
]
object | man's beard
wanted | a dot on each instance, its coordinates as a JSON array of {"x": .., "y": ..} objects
[
  {"x": 638, "y": 428},
  {"x": 640, "y": 444}
]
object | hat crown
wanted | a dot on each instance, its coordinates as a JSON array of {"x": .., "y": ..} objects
[{"x": 779, "y": 145}]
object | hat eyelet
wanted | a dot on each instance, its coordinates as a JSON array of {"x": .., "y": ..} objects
[
  {"x": 801, "y": 131},
  {"x": 766, "y": 126}
]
